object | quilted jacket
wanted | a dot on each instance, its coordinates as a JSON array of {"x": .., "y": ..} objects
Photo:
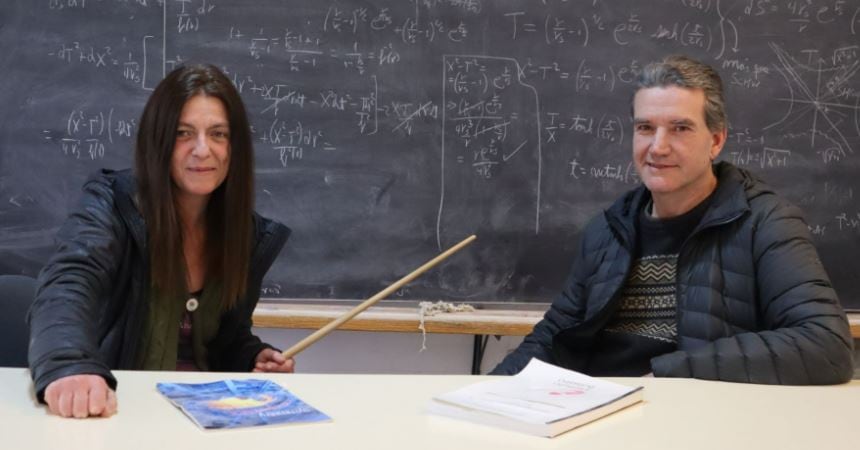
[{"x": 754, "y": 303}]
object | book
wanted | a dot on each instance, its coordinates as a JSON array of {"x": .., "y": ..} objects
[
  {"x": 542, "y": 399},
  {"x": 239, "y": 403}
]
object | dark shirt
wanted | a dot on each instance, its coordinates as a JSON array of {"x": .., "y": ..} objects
[{"x": 185, "y": 352}]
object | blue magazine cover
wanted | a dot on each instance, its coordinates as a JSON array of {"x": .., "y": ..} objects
[{"x": 239, "y": 403}]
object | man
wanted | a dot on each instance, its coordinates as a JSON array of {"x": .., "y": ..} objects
[{"x": 702, "y": 271}]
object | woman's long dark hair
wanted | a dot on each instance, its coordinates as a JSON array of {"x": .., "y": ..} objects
[{"x": 229, "y": 219}]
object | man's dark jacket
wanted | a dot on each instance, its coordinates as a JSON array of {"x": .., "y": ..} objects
[
  {"x": 754, "y": 303},
  {"x": 93, "y": 294}
]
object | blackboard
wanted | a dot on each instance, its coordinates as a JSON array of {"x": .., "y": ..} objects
[{"x": 386, "y": 131}]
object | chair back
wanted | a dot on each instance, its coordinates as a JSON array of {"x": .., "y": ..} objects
[{"x": 16, "y": 294}]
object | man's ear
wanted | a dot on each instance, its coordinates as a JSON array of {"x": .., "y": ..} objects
[{"x": 718, "y": 140}]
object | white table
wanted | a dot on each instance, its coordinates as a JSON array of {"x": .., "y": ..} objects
[{"x": 385, "y": 412}]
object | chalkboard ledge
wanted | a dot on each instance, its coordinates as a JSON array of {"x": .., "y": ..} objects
[
  {"x": 403, "y": 317},
  {"x": 489, "y": 319},
  {"x": 854, "y": 321}
]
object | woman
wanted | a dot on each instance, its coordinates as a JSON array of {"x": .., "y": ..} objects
[{"x": 160, "y": 269}]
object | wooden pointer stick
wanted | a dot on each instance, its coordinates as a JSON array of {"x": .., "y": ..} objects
[{"x": 331, "y": 326}]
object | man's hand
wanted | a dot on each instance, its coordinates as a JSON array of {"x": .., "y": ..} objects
[
  {"x": 269, "y": 360},
  {"x": 80, "y": 396}
]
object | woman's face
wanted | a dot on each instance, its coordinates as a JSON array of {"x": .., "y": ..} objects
[{"x": 201, "y": 153}]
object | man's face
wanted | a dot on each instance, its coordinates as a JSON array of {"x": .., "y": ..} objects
[{"x": 672, "y": 146}]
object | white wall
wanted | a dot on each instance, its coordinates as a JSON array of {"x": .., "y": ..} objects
[
  {"x": 370, "y": 352},
  {"x": 857, "y": 359},
  {"x": 367, "y": 352}
]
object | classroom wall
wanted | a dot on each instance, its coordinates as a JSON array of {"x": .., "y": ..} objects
[
  {"x": 857, "y": 359},
  {"x": 368, "y": 352}
]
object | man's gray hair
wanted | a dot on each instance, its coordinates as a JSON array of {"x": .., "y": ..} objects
[{"x": 686, "y": 72}]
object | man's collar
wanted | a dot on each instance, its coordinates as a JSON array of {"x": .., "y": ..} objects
[{"x": 729, "y": 200}]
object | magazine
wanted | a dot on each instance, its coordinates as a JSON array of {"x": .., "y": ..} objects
[
  {"x": 239, "y": 403},
  {"x": 542, "y": 399}
]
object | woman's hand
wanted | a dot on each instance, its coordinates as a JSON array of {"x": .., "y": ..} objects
[
  {"x": 80, "y": 396},
  {"x": 269, "y": 360}
]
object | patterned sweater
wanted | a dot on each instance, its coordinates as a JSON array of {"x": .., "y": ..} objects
[{"x": 644, "y": 325}]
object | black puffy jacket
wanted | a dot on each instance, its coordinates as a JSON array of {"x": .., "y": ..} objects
[
  {"x": 754, "y": 303},
  {"x": 93, "y": 294}
]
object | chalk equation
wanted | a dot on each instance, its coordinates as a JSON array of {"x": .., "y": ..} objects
[{"x": 88, "y": 133}]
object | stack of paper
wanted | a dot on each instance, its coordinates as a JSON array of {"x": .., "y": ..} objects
[{"x": 542, "y": 399}]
